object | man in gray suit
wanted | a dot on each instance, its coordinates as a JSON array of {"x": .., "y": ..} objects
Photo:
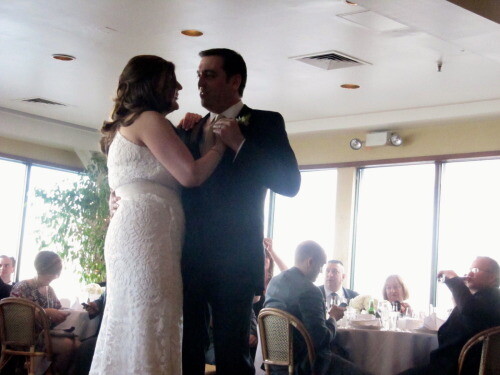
[
  {"x": 334, "y": 277},
  {"x": 293, "y": 291}
]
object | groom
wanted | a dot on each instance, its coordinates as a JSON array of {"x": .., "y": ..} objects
[{"x": 223, "y": 256}]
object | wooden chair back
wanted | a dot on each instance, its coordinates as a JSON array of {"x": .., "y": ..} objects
[
  {"x": 24, "y": 328},
  {"x": 276, "y": 335},
  {"x": 490, "y": 351}
]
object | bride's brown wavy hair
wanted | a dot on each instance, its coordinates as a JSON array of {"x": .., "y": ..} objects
[{"x": 147, "y": 83}]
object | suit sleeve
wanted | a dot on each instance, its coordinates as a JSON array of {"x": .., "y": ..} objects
[
  {"x": 477, "y": 310},
  {"x": 267, "y": 154},
  {"x": 313, "y": 313}
]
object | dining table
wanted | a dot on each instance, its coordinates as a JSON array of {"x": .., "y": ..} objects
[
  {"x": 384, "y": 352},
  {"x": 84, "y": 327}
]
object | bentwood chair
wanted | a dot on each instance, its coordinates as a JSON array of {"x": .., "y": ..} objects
[
  {"x": 490, "y": 351},
  {"x": 276, "y": 334},
  {"x": 24, "y": 326}
]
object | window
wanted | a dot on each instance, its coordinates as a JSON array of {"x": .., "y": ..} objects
[
  {"x": 12, "y": 201},
  {"x": 310, "y": 215},
  {"x": 45, "y": 179},
  {"x": 18, "y": 177},
  {"x": 399, "y": 229},
  {"x": 394, "y": 229},
  {"x": 469, "y": 217}
]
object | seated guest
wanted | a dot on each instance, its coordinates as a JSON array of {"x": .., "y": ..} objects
[
  {"x": 270, "y": 259},
  {"x": 5, "y": 289},
  {"x": 333, "y": 289},
  {"x": 7, "y": 268},
  {"x": 293, "y": 291},
  {"x": 477, "y": 299},
  {"x": 48, "y": 266},
  {"x": 85, "y": 353},
  {"x": 396, "y": 292},
  {"x": 334, "y": 277}
]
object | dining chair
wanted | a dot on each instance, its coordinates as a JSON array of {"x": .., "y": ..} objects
[
  {"x": 490, "y": 351},
  {"x": 276, "y": 333},
  {"x": 23, "y": 325}
]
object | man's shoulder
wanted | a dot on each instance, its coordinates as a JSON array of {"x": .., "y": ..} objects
[
  {"x": 293, "y": 279},
  {"x": 260, "y": 113},
  {"x": 349, "y": 293}
]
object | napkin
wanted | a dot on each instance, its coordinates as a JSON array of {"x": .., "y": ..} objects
[
  {"x": 409, "y": 323},
  {"x": 76, "y": 305},
  {"x": 432, "y": 322}
]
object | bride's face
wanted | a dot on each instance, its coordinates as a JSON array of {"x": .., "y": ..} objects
[{"x": 172, "y": 93}]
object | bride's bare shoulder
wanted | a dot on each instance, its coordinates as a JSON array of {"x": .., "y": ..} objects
[{"x": 151, "y": 119}]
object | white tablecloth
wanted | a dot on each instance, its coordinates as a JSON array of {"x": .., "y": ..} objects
[
  {"x": 84, "y": 327},
  {"x": 387, "y": 352}
]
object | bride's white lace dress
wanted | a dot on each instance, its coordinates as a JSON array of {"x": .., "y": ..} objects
[{"x": 142, "y": 323}]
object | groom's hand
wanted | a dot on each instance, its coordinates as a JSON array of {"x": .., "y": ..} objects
[
  {"x": 189, "y": 121},
  {"x": 113, "y": 203},
  {"x": 229, "y": 131}
]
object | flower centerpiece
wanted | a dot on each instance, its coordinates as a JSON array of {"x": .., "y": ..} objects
[
  {"x": 362, "y": 302},
  {"x": 93, "y": 291}
]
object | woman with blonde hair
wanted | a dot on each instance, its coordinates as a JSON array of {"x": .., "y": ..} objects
[
  {"x": 48, "y": 267},
  {"x": 396, "y": 292}
]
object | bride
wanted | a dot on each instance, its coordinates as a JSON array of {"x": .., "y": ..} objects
[{"x": 147, "y": 162}]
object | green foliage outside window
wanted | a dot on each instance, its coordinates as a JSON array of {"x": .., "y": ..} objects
[{"x": 77, "y": 220}]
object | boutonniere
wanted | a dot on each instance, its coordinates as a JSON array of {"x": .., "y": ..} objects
[{"x": 243, "y": 120}]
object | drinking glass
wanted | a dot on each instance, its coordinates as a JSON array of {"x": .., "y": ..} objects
[
  {"x": 384, "y": 308},
  {"x": 393, "y": 320}
]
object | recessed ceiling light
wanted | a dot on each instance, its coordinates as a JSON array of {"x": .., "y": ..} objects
[
  {"x": 192, "y": 32},
  {"x": 349, "y": 86},
  {"x": 62, "y": 57}
]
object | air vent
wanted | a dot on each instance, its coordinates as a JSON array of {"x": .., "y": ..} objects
[
  {"x": 330, "y": 60},
  {"x": 42, "y": 101}
]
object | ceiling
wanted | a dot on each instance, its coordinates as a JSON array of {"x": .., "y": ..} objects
[{"x": 401, "y": 43}]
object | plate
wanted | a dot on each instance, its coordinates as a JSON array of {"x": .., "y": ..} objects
[
  {"x": 366, "y": 324},
  {"x": 424, "y": 330}
]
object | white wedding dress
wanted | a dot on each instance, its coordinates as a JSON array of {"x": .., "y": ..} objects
[{"x": 141, "y": 331}]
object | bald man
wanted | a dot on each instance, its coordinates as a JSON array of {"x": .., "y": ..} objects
[{"x": 477, "y": 308}]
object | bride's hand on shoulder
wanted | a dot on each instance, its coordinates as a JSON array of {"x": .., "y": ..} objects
[{"x": 189, "y": 121}]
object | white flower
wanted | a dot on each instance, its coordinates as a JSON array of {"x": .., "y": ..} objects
[
  {"x": 94, "y": 289},
  {"x": 362, "y": 302},
  {"x": 243, "y": 120}
]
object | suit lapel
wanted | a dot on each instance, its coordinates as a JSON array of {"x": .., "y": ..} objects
[{"x": 196, "y": 136}]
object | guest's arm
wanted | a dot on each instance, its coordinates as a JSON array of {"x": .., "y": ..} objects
[
  {"x": 480, "y": 310},
  {"x": 267, "y": 155},
  {"x": 268, "y": 243},
  {"x": 253, "y": 330},
  {"x": 313, "y": 314}
]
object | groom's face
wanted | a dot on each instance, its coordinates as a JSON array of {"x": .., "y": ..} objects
[{"x": 217, "y": 92}]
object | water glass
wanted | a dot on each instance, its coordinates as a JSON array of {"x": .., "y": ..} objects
[{"x": 393, "y": 320}]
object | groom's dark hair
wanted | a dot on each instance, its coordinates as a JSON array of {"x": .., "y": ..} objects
[{"x": 233, "y": 64}]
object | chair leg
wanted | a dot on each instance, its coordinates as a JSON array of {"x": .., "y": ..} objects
[
  {"x": 32, "y": 363},
  {"x": 4, "y": 358}
]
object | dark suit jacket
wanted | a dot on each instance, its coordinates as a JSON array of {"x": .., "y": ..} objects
[
  {"x": 224, "y": 216},
  {"x": 4, "y": 289},
  {"x": 292, "y": 292},
  {"x": 349, "y": 294},
  {"x": 472, "y": 314}
]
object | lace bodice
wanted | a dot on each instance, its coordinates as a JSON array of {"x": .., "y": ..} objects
[{"x": 129, "y": 162}]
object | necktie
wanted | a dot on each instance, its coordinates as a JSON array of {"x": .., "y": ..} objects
[
  {"x": 335, "y": 298},
  {"x": 208, "y": 135}
]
